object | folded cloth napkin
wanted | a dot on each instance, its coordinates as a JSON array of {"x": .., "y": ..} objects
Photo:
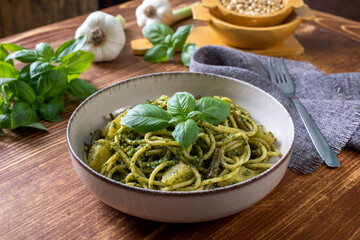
[{"x": 332, "y": 100}]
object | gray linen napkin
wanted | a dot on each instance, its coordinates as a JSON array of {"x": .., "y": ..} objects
[{"x": 333, "y": 100}]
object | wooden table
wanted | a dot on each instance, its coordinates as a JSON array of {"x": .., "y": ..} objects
[{"x": 42, "y": 198}]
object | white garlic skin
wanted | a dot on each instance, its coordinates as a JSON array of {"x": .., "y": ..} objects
[
  {"x": 163, "y": 13},
  {"x": 114, "y": 36}
]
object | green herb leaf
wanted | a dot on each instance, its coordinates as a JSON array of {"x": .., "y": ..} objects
[
  {"x": 181, "y": 35},
  {"x": 4, "y": 54},
  {"x": 36, "y": 125},
  {"x": 22, "y": 114},
  {"x": 25, "y": 74},
  {"x": 77, "y": 62},
  {"x": 50, "y": 110},
  {"x": 70, "y": 47},
  {"x": 157, "y": 53},
  {"x": 156, "y": 32},
  {"x": 170, "y": 52},
  {"x": 45, "y": 50},
  {"x": 80, "y": 88},
  {"x": 177, "y": 119},
  {"x": 212, "y": 110},
  {"x": 146, "y": 117},
  {"x": 52, "y": 83},
  {"x": 23, "y": 91},
  {"x": 193, "y": 114},
  {"x": 187, "y": 52},
  {"x": 181, "y": 103},
  {"x": 39, "y": 86},
  {"x": 25, "y": 56},
  {"x": 39, "y": 67},
  {"x": 5, "y": 108},
  {"x": 5, "y": 121},
  {"x": 167, "y": 40},
  {"x": 73, "y": 76},
  {"x": 186, "y": 132},
  {"x": 8, "y": 71},
  {"x": 6, "y": 81},
  {"x": 12, "y": 47}
]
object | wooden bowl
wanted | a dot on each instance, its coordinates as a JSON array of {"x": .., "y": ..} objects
[
  {"x": 253, "y": 37},
  {"x": 221, "y": 12}
]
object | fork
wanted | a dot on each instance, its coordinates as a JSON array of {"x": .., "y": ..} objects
[{"x": 279, "y": 74}]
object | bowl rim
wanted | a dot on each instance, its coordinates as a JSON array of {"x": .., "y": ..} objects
[
  {"x": 297, "y": 20},
  {"x": 107, "y": 180},
  {"x": 286, "y": 7}
]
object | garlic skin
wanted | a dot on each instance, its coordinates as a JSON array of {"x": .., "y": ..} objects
[
  {"x": 105, "y": 36},
  {"x": 151, "y": 11}
]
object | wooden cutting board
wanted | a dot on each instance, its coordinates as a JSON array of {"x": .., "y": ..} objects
[{"x": 203, "y": 35}]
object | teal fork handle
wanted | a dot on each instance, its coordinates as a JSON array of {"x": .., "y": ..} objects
[{"x": 317, "y": 138}]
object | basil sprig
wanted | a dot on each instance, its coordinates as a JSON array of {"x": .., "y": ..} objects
[
  {"x": 166, "y": 43},
  {"x": 37, "y": 89},
  {"x": 183, "y": 111}
]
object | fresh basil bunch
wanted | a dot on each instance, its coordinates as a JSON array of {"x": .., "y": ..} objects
[
  {"x": 183, "y": 111},
  {"x": 37, "y": 89},
  {"x": 166, "y": 43}
]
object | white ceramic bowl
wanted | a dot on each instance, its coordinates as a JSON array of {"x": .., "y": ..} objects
[{"x": 179, "y": 206}]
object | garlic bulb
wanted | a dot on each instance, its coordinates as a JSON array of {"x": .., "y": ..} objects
[
  {"x": 151, "y": 11},
  {"x": 105, "y": 36}
]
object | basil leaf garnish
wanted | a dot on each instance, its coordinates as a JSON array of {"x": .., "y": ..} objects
[
  {"x": 187, "y": 52},
  {"x": 193, "y": 114},
  {"x": 5, "y": 121},
  {"x": 80, "y": 88},
  {"x": 212, "y": 110},
  {"x": 39, "y": 67},
  {"x": 181, "y": 35},
  {"x": 50, "y": 110},
  {"x": 70, "y": 47},
  {"x": 44, "y": 50},
  {"x": 170, "y": 52},
  {"x": 23, "y": 91},
  {"x": 182, "y": 111},
  {"x": 157, "y": 32},
  {"x": 22, "y": 114},
  {"x": 157, "y": 53},
  {"x": 4, "y": 54},
  {"x": 181, "y": 103},
  {"x": 8, "y": 71},
  {"x": 12, "y": 47},
  {"x": 166, "y": 43},
  {"x": 146, "y": 117},
  {"x": 186, "y": 132},
  {"x": 36, "y": 125},
  {"x": 38, "y": 88},
  {"x": 177, "y": 119},
  {"x": 6, "y": 81},
  {"x": 77, "y": 62},
  {"x": 25, "y": 56},
  {"x": 52, "y": 83}
]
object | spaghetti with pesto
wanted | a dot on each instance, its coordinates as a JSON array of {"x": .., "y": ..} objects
[{"x": 221, "y": 154}]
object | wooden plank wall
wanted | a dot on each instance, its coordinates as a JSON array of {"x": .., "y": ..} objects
[
  {"x": 348, "y": 9},
  {"x": 21, "y": 15}
]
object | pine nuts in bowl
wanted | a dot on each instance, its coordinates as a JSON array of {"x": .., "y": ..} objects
[
  {"x": 253, "y": 7},
  {"x": 252, "y": 37},
  {"x": 252, "y": 13}
]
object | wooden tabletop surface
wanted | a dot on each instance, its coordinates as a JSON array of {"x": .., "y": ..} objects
[{"x": 42, "y": 198}]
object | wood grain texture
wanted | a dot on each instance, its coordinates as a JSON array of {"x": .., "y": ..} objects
[
  {"x": 42, "y": 198},
  {"x": 20, "y": 15}
]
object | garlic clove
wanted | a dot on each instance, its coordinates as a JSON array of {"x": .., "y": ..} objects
[
  {"x": 103, "y": 32},
  {"x": 151, "y": 11}
]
